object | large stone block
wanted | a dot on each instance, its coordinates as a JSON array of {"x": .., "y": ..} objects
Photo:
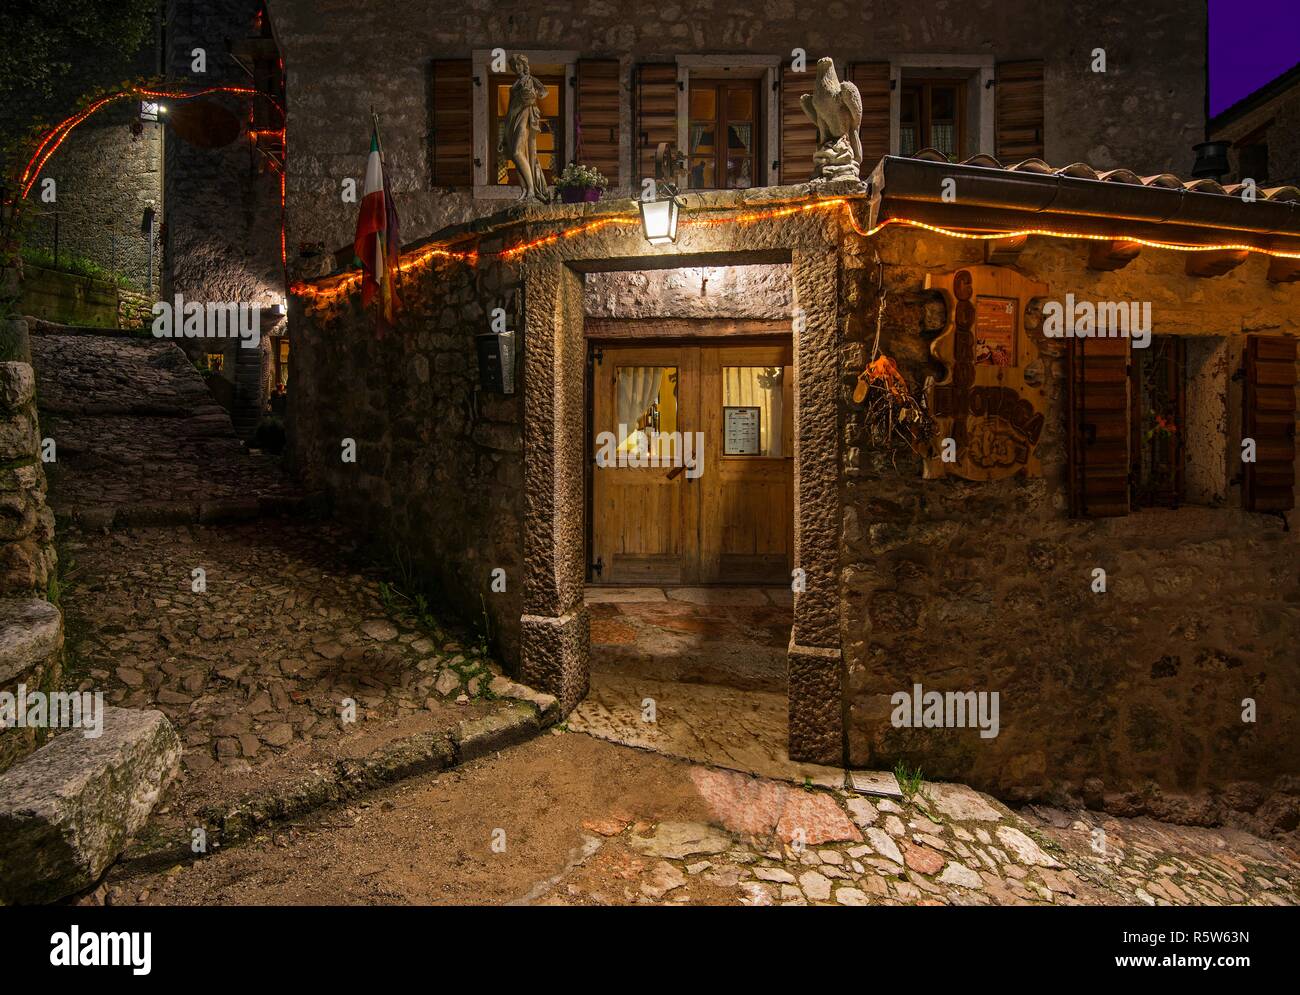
[
  {"x": 17, "y": 385},
  {"x": 31, "y": 630},
  {"x": 69, "y": 809}
]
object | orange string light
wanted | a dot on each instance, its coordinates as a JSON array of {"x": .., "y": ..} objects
[
  {"x": 56, "y": 136},
  {"x": 346, "y": 283}
]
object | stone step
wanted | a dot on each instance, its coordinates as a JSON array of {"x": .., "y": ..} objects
[
  {"x": 215, "y": 511},
  {"x": 70, "y": 808}
]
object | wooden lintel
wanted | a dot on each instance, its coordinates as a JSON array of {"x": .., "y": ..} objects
[
  {"x": 1283, "y": 270},
  {"x": 1113, "y": 254},
  {"x": 1004, "y": 251},
  {"x": 661, "y": 328},
  {"x": 1215, "y": 262}
]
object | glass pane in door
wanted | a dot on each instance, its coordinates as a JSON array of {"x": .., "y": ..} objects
[
  {"x": 647, "y": 409},
  {"x": 745, "y": 388}
]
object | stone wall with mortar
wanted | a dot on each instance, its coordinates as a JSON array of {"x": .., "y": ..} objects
[
  {"x": 26, "y": 523},
  {"x": 438, "y": 478},
  {"x": 31, "y": 629},
  {"x": 223, "y": 205},
  {"x": 1145, "y": 112},
  {"x": 107, "y": 179},
  {"x": 696, "y": 292},
  {"x": 1132, "y": 699}
]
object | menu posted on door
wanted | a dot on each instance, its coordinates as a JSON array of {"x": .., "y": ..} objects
[{"x": 741, "y": 433}]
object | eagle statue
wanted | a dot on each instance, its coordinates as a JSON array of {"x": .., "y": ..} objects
[{"x": 836, "y": 109}]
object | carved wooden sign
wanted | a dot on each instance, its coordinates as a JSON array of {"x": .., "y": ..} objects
[{"x": 984, "y": 405}]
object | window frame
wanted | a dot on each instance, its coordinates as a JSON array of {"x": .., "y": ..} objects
[
  {"x": 1175, "y": 495},
  {"x": 552, "y": 80},
  {"x": 766, "y": 69},
  {"x": 542, "y": 62},
  {"x": 721, "y": 123},
  {"x": 978, "y": 72},
  {"x": 923, "y": 88}
]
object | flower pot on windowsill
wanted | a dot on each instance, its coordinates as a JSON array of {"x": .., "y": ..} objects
[{"x": 580, "y": 195}]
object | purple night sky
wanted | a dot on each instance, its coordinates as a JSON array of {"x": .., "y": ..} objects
[{"x": 1251, "y": 42}]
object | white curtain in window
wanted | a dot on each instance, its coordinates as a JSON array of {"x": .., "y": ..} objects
[{"x": 638, "y": 389}]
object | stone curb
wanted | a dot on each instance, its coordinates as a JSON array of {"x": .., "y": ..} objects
[{"x": 345, "y": 780}]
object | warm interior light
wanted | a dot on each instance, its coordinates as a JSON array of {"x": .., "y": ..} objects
[{"x": 659, "y": 221}]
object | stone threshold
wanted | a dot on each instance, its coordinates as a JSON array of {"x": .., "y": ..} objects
[{"x": 524, "y": 715}]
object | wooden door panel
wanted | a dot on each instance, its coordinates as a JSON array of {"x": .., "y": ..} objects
[
  {"x": 644, "y": 518},
  {"x": 639, "y": 516},
  {"x": 733, "y": 523},
  {"x": 746, "y": 521}
]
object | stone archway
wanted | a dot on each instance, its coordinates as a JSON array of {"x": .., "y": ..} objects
[{"x": 554, "y": 636}]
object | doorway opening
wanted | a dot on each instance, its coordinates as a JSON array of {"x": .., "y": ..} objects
[{"x": 690, "y": 510}]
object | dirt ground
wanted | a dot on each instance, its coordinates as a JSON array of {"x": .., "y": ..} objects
[
  {"x": 430, "y": 840},
  {"x": 567, "y": 819}
]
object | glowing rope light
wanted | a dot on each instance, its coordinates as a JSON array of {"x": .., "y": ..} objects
[
  {"x": 343, "y": 284},
  {"x": 56, "y": 136}
]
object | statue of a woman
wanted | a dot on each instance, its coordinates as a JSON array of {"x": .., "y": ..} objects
[{"x": 523, "y": 125}]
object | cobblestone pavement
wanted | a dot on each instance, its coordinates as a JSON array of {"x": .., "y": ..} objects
[
  {"x": 585, "y": 822},
  {"x": 139, "y": 438},
  {"x": 255, "y": 669}
]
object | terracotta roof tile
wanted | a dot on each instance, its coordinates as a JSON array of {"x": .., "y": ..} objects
[{"x": 1082, "y": 171}]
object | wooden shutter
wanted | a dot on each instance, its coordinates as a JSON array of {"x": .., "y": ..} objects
[
  {"x": 596, "y": 116},
  {"x": 1099, "y": 433},
  {"x": 1269, "y": 482},
  {"x": 798, "y": 133},
  {"x": 872, "y": 81},
  {"x": 1019, "y": 111},
  {"x": 453, "y": 123},
  {"x": 656, "y": 114}
]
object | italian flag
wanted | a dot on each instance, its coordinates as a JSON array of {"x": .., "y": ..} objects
[{"x": 376, "y": 244}]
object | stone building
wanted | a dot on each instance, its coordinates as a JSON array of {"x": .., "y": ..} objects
[
  {"x": 1263, "y": 132},
  {"x": 966, "y": 497},
  {"x": 183, "y": 196}
]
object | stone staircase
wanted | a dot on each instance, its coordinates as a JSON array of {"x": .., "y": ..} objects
[{"x": 139, "y": 438}]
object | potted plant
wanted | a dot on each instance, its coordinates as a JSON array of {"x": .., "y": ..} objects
[{"x": 580, "y": 184}]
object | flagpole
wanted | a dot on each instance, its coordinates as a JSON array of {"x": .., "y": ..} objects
[{"x": 378, "y": 140}]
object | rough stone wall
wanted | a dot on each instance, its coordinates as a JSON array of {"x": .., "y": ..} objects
[
  {"x": 106, "y": 180},
  {"x": 31, "y": 629},
  {"x": 438, "y": 475},
  {"x": 759, "y": 291},
  {"x": 1282, "y": 115},
  {"x": 223, "y": 205},
  {"x": 1130, "y": 699},
  {"x": 26, "y": 523},
  {"x": 1144, "y": 113}
]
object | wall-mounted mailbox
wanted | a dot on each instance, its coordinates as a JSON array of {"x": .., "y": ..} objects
[{"x": 496, "y": 362}]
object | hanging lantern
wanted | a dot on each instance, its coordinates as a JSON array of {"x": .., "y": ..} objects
[{"x": 659, "y": 215}]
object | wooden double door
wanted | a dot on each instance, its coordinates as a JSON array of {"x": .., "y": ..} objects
[{"x": 692, "y": 464}]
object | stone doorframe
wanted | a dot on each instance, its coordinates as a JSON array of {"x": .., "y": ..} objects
[{"x": 554, "y": 631}]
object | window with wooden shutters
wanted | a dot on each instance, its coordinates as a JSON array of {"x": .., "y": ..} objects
[
  {"x": 723, "y": 134},
  {"x": 798, "y": 133},
  {"x": 656, "y": 114},
  {"x": 1270, "y": 419},
  {"x": 872, "y": 81},
  {"x": 453, "y": 123},
  {"x": 1158, "y": 425},
  {"x": 1019, "y": 111},
  {"x": 596, "y": 126},
  {"x": 1099, "y": 427}
]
